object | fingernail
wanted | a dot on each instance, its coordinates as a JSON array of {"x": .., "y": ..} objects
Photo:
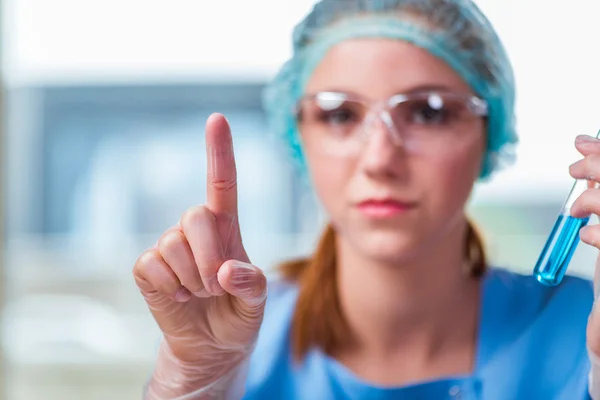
[
  {"x": 202, "y": 293},
  {"x": 586, "y": 139},
  {"x": 242, "y": 275},
  {"x": 183, "y": 295},
  {"x": 214, "y": 287}
]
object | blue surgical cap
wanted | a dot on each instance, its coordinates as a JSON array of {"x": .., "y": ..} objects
[{"x": 456, "y": 31}]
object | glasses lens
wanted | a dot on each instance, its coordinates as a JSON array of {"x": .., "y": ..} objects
[
  {"x": 331, "y": 120},
  {"x": 425, "y": 123},
  {"x": 434, "y": 110},
  {"x": 432, "y": 122}
]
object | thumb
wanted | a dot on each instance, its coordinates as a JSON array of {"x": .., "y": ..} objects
[{"x": 245, "y": 282}]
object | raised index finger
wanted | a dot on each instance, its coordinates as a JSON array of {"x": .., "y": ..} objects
[{"x": 222, "y": 176}]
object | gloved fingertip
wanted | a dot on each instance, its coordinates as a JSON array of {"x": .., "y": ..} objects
[
  {"x": 246, "y": 282},
  {"x": 242, "y": 275}
]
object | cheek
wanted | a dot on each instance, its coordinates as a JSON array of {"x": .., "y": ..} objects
[
  {"x": 329, "y": 178},
  {"x": 452, "y": 176}
]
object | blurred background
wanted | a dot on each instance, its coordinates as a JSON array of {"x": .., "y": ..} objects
[{"x": 103, "y": 117}]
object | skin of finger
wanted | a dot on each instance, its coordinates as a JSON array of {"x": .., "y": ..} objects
[
  {"x": 152, "y": 268},
  {"x": 200, "y": 229},
  {"x": 222, "y": 185},
  {"x": 587, "y": 145},
  {"x": 590, "y": 235},
  {"x": 221, "y": 168},
  {"x": 176, "y": 251},
  {"x": 587, "y": 168},
  {"x": 171, "y": 229},
  {"x": 587, "y": 203}
]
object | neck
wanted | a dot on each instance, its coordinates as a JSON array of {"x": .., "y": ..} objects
[{"x": 418, "y": 309}]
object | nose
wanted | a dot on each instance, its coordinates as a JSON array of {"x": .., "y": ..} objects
[
  {"x": 383, "y": 154},
  {"x": 381, "y": 121},
  {"x": 392, "y": 130}
]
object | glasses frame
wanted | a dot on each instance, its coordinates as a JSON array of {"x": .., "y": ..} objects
[{"x": 380, "y": 109}]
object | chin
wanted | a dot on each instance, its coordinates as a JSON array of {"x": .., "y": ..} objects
[{"x": 388, "y": 246}]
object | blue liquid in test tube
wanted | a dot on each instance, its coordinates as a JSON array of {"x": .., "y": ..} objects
[{"x": 562, "y": 242}]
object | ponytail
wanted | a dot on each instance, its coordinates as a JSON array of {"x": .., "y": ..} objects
[
  {"x": 475, "y": 251},
  {"x": 318, "y": 319}
]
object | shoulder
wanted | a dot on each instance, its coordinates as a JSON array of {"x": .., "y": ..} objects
[
  {"x": 571, "y": 299},
  {"x": 281, "y": 301},
  {"x": 520, "y": 301},
  {"x": 530, "y": 328}
]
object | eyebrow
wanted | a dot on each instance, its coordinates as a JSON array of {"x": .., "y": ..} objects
[{"x": 430, "y": 88}]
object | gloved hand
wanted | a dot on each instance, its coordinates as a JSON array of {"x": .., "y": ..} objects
[
  {"x": 589, "y": 202},
  {"x": 205, "y": 295},
  {"x": 593, "y": 340}
]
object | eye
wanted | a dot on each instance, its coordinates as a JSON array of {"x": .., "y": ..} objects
[
  {"x": 337, "y": 110},
  {"x": 432, "y": 110},
  {"x": 428, "y": 111},
  {"x": 428, "y": 115},
  {"x": 338, "y": 116}
]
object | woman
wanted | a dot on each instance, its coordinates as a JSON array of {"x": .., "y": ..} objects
[{"x": 395, "y": 109}]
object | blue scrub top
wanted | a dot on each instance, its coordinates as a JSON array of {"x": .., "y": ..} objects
[{"x": 531, "y": 346}]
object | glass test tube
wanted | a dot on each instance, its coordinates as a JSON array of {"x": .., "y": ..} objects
[{"x": 562, "y": 242}]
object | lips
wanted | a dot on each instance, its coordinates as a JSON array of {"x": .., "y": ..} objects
[{"x": 382, "y": 208}]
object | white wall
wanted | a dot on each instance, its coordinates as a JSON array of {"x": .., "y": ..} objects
[
  {"x": 554, "y": 50},
  {"x": 82, "y": 40},
  {"x": 551, "y": 46}
]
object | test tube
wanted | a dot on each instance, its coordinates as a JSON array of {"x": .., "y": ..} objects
[{"x": 562, "y": 242}]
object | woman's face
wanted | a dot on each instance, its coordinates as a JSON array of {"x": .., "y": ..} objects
[{"x": 405, "y": 181}]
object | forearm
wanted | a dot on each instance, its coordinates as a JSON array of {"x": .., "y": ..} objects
[
  {"x": 594, "y": 376},
  {"x": 174, "y": 380}
]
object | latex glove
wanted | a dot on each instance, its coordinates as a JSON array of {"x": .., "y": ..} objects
[
  {"x": 587, "y": 203},
  {"x": 205, "y": 295},
  {"x": 593, "y": 339},
  {"x": 593, "y": 351}
]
